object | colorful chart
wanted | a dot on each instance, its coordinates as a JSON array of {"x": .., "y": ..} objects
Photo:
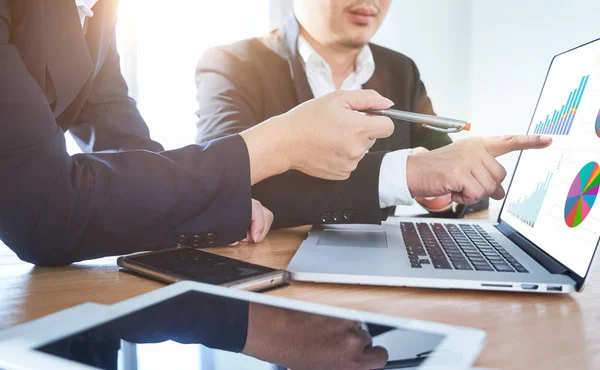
[
  {"x": 561, "y": 121},
  {"x": 598, "y": 124},
  {"x": 582, "y": 194}
]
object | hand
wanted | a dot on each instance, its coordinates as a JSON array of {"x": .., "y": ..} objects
[
  {"x": 435, "y": 204},
  {"x": 324, "y": 137},
  {"x": 262, "y": 219},
  {"x": 301, "y": 340},
  {"x": 432, "y": 204},
  {"x": 466, "y": 169}
]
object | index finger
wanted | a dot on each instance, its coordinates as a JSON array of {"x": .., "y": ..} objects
[
  {"x": 378, "y": 127},
  {"x": 500, "y": 145},
  {"x": 364, "y": 100}
]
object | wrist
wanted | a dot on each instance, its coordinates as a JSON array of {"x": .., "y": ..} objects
[
  {"x": 268, "y": 149},
  {"x": 264, "y": 333},
  {"x": 411, "y": 175}
]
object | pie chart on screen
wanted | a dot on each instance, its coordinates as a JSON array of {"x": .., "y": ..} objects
[
  {"x": 582, "y": 194},
  {"x": 598, "y": 124}
]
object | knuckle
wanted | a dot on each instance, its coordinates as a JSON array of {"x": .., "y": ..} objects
[
  {"x": 503, "y": 173},
  {"x": 458, "y": 171},
  {"x": 480, "y": 193},
  {"x": 353, "y": 342}
]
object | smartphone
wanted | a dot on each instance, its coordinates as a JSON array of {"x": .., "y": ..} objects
[{"x": 186, "y": 263}]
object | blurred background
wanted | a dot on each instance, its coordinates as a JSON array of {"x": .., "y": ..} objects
[{"x": 482, "y": 61}]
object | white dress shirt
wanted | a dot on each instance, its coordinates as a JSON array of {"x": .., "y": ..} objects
[
  {"x": 84, "y": 7},
  {"x": 393, "y": 189}
]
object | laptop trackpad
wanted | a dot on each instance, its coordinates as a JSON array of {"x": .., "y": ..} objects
[{"x": 351, "y": 238}]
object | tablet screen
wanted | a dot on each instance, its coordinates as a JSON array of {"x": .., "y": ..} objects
[{"x": 201, "y": 331}]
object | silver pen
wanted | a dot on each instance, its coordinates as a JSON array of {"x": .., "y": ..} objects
[{"x": 435, "y": 123}]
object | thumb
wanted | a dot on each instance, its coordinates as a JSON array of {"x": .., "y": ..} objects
[
  {"x": 365, "y": 99},
  {"x": 500, "y": 145},
  {"x": 375, "y": 357}
]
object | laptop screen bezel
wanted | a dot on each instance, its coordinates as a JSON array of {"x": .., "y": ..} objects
[{"x": 578, "y": 279}]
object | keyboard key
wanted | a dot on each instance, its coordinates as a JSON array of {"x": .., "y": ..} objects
[
  {"x": 442, "y": 266},
  {"x": 503, "y": 267},
  {"x": 424, "y": 262},
  {"x": 521, "y": 269},
  {"x": 462, "y": 266},
  {"x": 482, "y": 267}
]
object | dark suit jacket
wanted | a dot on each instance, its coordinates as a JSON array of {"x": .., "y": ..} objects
[
  {"x": 243, "y": 84},
  {"x": 56, "y": 209}
]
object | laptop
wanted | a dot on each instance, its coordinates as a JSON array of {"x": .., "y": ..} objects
[{"x": 545, "y": 238}]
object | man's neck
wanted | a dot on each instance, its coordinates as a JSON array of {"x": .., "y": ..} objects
[{"x": 340, "y": 59}]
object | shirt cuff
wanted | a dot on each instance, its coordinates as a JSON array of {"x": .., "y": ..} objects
[{"x": 393, "y": 188}]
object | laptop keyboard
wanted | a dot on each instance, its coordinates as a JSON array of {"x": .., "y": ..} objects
[{"x": 456, "y": 247}]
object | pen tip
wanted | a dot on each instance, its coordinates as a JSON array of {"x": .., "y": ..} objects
[{"x": 468, "y": 127}]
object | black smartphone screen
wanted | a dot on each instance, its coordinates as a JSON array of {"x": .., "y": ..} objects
[{"x": 200, "y": 266}]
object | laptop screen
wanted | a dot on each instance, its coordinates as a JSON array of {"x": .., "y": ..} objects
[{"x": 552, "y": 198}]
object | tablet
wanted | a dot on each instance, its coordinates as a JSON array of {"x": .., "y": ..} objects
[{"x": 190, "y": 325}]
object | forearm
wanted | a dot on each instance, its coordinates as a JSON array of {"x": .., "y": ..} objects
[{"x": 91, "y": 206}]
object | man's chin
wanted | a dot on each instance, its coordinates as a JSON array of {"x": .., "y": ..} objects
[{"x": 357, "y": 43}]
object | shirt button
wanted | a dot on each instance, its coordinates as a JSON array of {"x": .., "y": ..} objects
[
  {"x": 349, "y": 215},
  {"x": 181, "y": 241},
  {"x": 196, "y": 241},
  {"x": 325, "y": 217},
  {"x": 338, "y": 217},
  {"x": 211, "y": 238}
]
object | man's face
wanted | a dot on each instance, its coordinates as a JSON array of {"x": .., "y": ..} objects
[{"x": 349, "y": 23}]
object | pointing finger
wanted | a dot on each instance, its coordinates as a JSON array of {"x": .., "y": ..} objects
[{"x": 500, "y": 145}]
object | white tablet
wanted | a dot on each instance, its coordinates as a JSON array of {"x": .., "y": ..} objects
[{"x": 176, "y": 327}]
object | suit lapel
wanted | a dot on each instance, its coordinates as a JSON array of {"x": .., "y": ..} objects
[
  {"x": 99, "y": 33},
  {"x": 380, "y": 79},
  {"x": 291, "y": 31},
  {"x": 67, "y": 57},
  {"x": 380, "y": 82}
]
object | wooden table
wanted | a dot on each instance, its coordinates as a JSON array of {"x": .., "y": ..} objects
[{"x": 525, "y": 330}]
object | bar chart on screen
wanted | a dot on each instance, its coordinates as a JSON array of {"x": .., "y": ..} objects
[
  {"x": 561, "y": 120},
  {"x": 527, "y": 208}
]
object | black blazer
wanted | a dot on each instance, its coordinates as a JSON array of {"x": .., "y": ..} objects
[
  {"x": 56, "y": 209},
  {"x": 243, "y": 84}
]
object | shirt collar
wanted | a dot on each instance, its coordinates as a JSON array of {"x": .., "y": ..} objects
[
  {"x": 84, "y": 7},
  {"x": 365, "y": 63}
]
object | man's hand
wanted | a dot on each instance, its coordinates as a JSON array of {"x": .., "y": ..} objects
[
  {"x": 262, "y": 219},
  {"x": 432, "y": 204},
  {"x": 466, "y": 169},
  {"x": 300, "y": 340},
  {"x": 324, "y": 137}
]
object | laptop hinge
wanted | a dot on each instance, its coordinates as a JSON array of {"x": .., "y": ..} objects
[{"x": 534, "y": 252}]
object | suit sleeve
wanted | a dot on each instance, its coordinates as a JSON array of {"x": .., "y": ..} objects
[
  {"x": 56, "y": 209},
  {"x": 230, "y": 100},
  {"x": 421, "y": 103},
  {"x": 110, "y": 119}
]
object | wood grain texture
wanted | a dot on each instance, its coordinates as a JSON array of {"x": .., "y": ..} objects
[{"x": 525, "y": 330}]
